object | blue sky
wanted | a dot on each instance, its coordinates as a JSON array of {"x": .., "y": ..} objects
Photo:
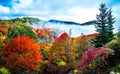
[{"x": 71, "y": 10}]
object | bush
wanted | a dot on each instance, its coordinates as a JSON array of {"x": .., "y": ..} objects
[
  {"x": 22, "y": 53},
  {"x": 4, "y": 71},
  {"x": 114, "y": 44},
  {"x": 117, "y": 69},
  {"x": 1, "y": 54},
  {"x": 114, "y": 60},
  {"x": 50, "y": 68},
  {"x": 94, "y": 61}
]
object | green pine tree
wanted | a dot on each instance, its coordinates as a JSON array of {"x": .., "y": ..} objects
[
  {"x": 104, "y": 26},
  {"x": 110, "y": 22},
  {"x": 101, "y": 26}
]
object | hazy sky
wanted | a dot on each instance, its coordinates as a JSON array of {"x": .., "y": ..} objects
[{"x": 73, "y": 10}]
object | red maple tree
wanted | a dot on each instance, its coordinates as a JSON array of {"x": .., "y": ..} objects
[{"x": 22, "y": 53}]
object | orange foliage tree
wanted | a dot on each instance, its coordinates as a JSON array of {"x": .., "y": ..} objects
[
  {"x": 22, "y": 53},
  {"x": 82, "y": 43},
  {"x": 3, "y": 31},
  {"x": 3, "y": 36},
  {"x": 61, "y": 50},
  {"x": 45, "y": 49}
]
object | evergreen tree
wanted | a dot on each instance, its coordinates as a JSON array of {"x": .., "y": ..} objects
[
  {"x": 110, "y": 22},
  {"x": 101, "y": 26},
  {"x": 104, "y": 26}
]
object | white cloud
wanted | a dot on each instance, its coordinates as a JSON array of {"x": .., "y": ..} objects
[
  {"x": 29, "y": 7},
  {"x": 21, "y": 6},
  {"x": 76, "y": 14},
  {"x": 67, "y": 10},
  {"x": 4, "y": 10},
  {"x": 83, "y": 14},
  {"x": 71, "y": 10}
]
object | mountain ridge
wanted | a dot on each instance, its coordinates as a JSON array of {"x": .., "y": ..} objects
[
  {"x": 71, "y": 22},
  {"x": 33, "y": 20},
  {"x": 65, "y": 26}
]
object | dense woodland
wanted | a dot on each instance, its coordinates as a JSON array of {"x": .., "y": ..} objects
[{"x": 27, "y": 50}]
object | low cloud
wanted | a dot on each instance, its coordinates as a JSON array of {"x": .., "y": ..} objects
[
  {"x": 4, "y": 10},
  {"x": 71, "y": 10}
]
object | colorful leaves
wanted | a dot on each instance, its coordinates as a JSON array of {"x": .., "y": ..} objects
[
  {"x": 94, "y": 54},
  {"x": 62, "y": 48},
  {"x": 63, "y": 37},
  {"x": 23, "y": 52},
  {"x": 82, "y": 43},
  {"x": 45, "y": 34}
]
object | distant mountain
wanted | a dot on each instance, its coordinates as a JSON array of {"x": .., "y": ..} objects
[
  {"x": 72, "y": 23},
  {"x": 89, "y": 22},
  {"x": 72, "y": 28},
  {"x": 33, "y": 21},
  {"x": 24, "y": 21},
  {"x": 63, "y": 22}
]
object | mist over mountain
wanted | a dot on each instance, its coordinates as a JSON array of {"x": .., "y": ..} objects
[
  {"x": 71, "y": 22},
  {"x": 72, "y": 28}
]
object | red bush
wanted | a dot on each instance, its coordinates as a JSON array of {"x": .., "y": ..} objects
[
  {"x": 22, "y": 53},
  {"x": 93, "y": 55}
]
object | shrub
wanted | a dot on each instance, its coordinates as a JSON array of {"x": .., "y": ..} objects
[
  {"x": 22, "y": 53},
  {"x": 4, "y": 71},
  {"x": 114, "y": 60},
  {"x": 117, "y": 69},
  {"x": 114, "y": 44},
  {"x": 1, "y": 53},
  {"x": 50, "y": 68},
  {"x": 94, "y": 55}
]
